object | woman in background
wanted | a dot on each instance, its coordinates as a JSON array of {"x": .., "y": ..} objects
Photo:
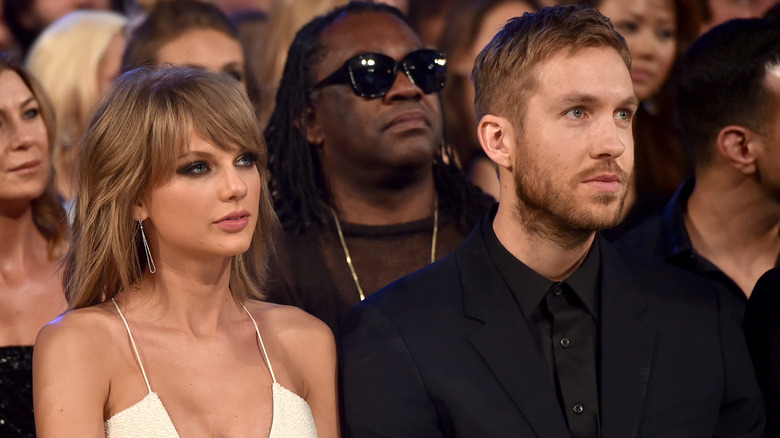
[
  {"x": 656, "y": 32},
  {"x": 470, "y": 27},
  {"x": 189, "y": 33},
  {"x": 75, "y": 59},
  {"x": 33, "y": 234},
  {"x": 165, "y": 335}
]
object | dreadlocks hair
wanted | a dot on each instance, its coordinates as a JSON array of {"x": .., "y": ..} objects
[{"x": 298, "y": 185}]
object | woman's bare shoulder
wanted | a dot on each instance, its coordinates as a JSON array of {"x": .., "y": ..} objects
[
  {"x": 86, "y": 329},
  {"x": 290, "y": 325}
]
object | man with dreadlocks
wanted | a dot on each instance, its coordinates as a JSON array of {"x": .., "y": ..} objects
[{"x": 362, "y": 183}]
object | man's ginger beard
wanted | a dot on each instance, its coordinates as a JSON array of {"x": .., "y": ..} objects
[{"x": 547, "y": 205}]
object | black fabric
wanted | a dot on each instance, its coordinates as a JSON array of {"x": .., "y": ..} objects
[
  {"x": 311, "y": 272},
  {"x": 574, "y": 349},
  {"x": 664, "y": 237},
  {"x": 562, "y": 319},
  {"x": 445, "y": 352},
  {"x": 762, "y": 328},
  {"x": 16, "y": 401}
]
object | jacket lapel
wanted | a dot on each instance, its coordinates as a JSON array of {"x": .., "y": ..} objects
[
  {"x": 627, "y": 346},
  {"x": 504, "y": 341}
]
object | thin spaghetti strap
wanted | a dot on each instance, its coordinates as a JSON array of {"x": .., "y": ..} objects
[
  {"x": 132, "y": 342},
  {"x": 262, "y": 345}
]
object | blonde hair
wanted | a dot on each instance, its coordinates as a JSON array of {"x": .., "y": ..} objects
[
  {"x": 285, "y": 18},
  {"x": 47, "y": 212},
  {"x": 65, "y": 59},
  {"x": 131, "y": 146}
]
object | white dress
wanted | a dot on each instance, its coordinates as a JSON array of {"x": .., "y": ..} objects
[{"x": 149, "y": 419}]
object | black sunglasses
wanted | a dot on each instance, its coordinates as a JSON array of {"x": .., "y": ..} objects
[{"x": 373, "y": 74}]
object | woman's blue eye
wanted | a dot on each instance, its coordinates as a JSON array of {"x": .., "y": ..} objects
[
  {"x": 247, "y": 159},
  {"x": 195, "y": 168},
  {"x": 31, "y": 113}
]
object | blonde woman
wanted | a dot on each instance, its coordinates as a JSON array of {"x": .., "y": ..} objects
[
  {"x": 33, "y": 234},
  {"x": 172, "y": 230},
  {"x": 75, "y": 59}
]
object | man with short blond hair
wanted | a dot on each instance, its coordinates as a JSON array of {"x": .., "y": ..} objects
[{"x": 536, "y": 325}]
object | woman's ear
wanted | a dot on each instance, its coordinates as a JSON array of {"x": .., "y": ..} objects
[{"x": 140, "y": 211}]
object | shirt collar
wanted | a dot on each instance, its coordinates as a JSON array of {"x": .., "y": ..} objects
[
  {"x": 676, "y": 238},
  {"x": 528, "y": 287}
]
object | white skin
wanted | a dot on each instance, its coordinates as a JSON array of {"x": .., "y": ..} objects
[
  {"x": 30, "y": 291},
  {"x": 650, "y": 30},
  {"x": 205, "y": 48},
  {"x": 188, "y": 328},
  {"x": 565, "y": 166}
]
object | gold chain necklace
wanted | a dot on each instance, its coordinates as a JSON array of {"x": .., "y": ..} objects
[{"x": 349, "y": 258}]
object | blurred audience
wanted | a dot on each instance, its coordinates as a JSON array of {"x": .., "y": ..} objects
[
  {"x": 362, "y": 184},
  {"x": 656, "y": 31},
  {"x": 230, "y": 7},
  {"x": 401, "y": 5},
  {"x": 773, "y": 13},
  {"x": 252, "y": 27},
  {"x": 428, "y": 19},
  {"x": 715, "y": 12},
  {"x": 725, "y": 224},
  {"x": 75, "y": 59},
  {"x": 285, "y": 18},
  {"x": 7, "y": 40},
  {"x": 28, "y": 18},
  {"x": 471, "y": 25},
  {"x": 33, "y": 232},
  {"x": 189, "y": 33}
]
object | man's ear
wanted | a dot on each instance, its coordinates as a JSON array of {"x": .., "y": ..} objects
[
  {"x": 737, "y": 145},
  {"x": 313, "y": 127},
  {"x": 497, "y": 137}
]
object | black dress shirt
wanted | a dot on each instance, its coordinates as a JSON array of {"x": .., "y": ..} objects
[{"x": 563, "y": 320}]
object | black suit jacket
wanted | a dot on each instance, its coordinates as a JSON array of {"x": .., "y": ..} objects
[
  {"x": 762, "y": 327},
  {"x": 445, "y": 351}
]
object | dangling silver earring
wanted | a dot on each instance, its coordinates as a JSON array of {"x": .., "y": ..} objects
[{"x": 149, "y": 260}]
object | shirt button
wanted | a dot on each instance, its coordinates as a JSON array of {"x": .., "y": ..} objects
[
  {"x": 578, "y": 409},
  {"x": 557, "y": 291},
  {"x": 565, "y": 342}
]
